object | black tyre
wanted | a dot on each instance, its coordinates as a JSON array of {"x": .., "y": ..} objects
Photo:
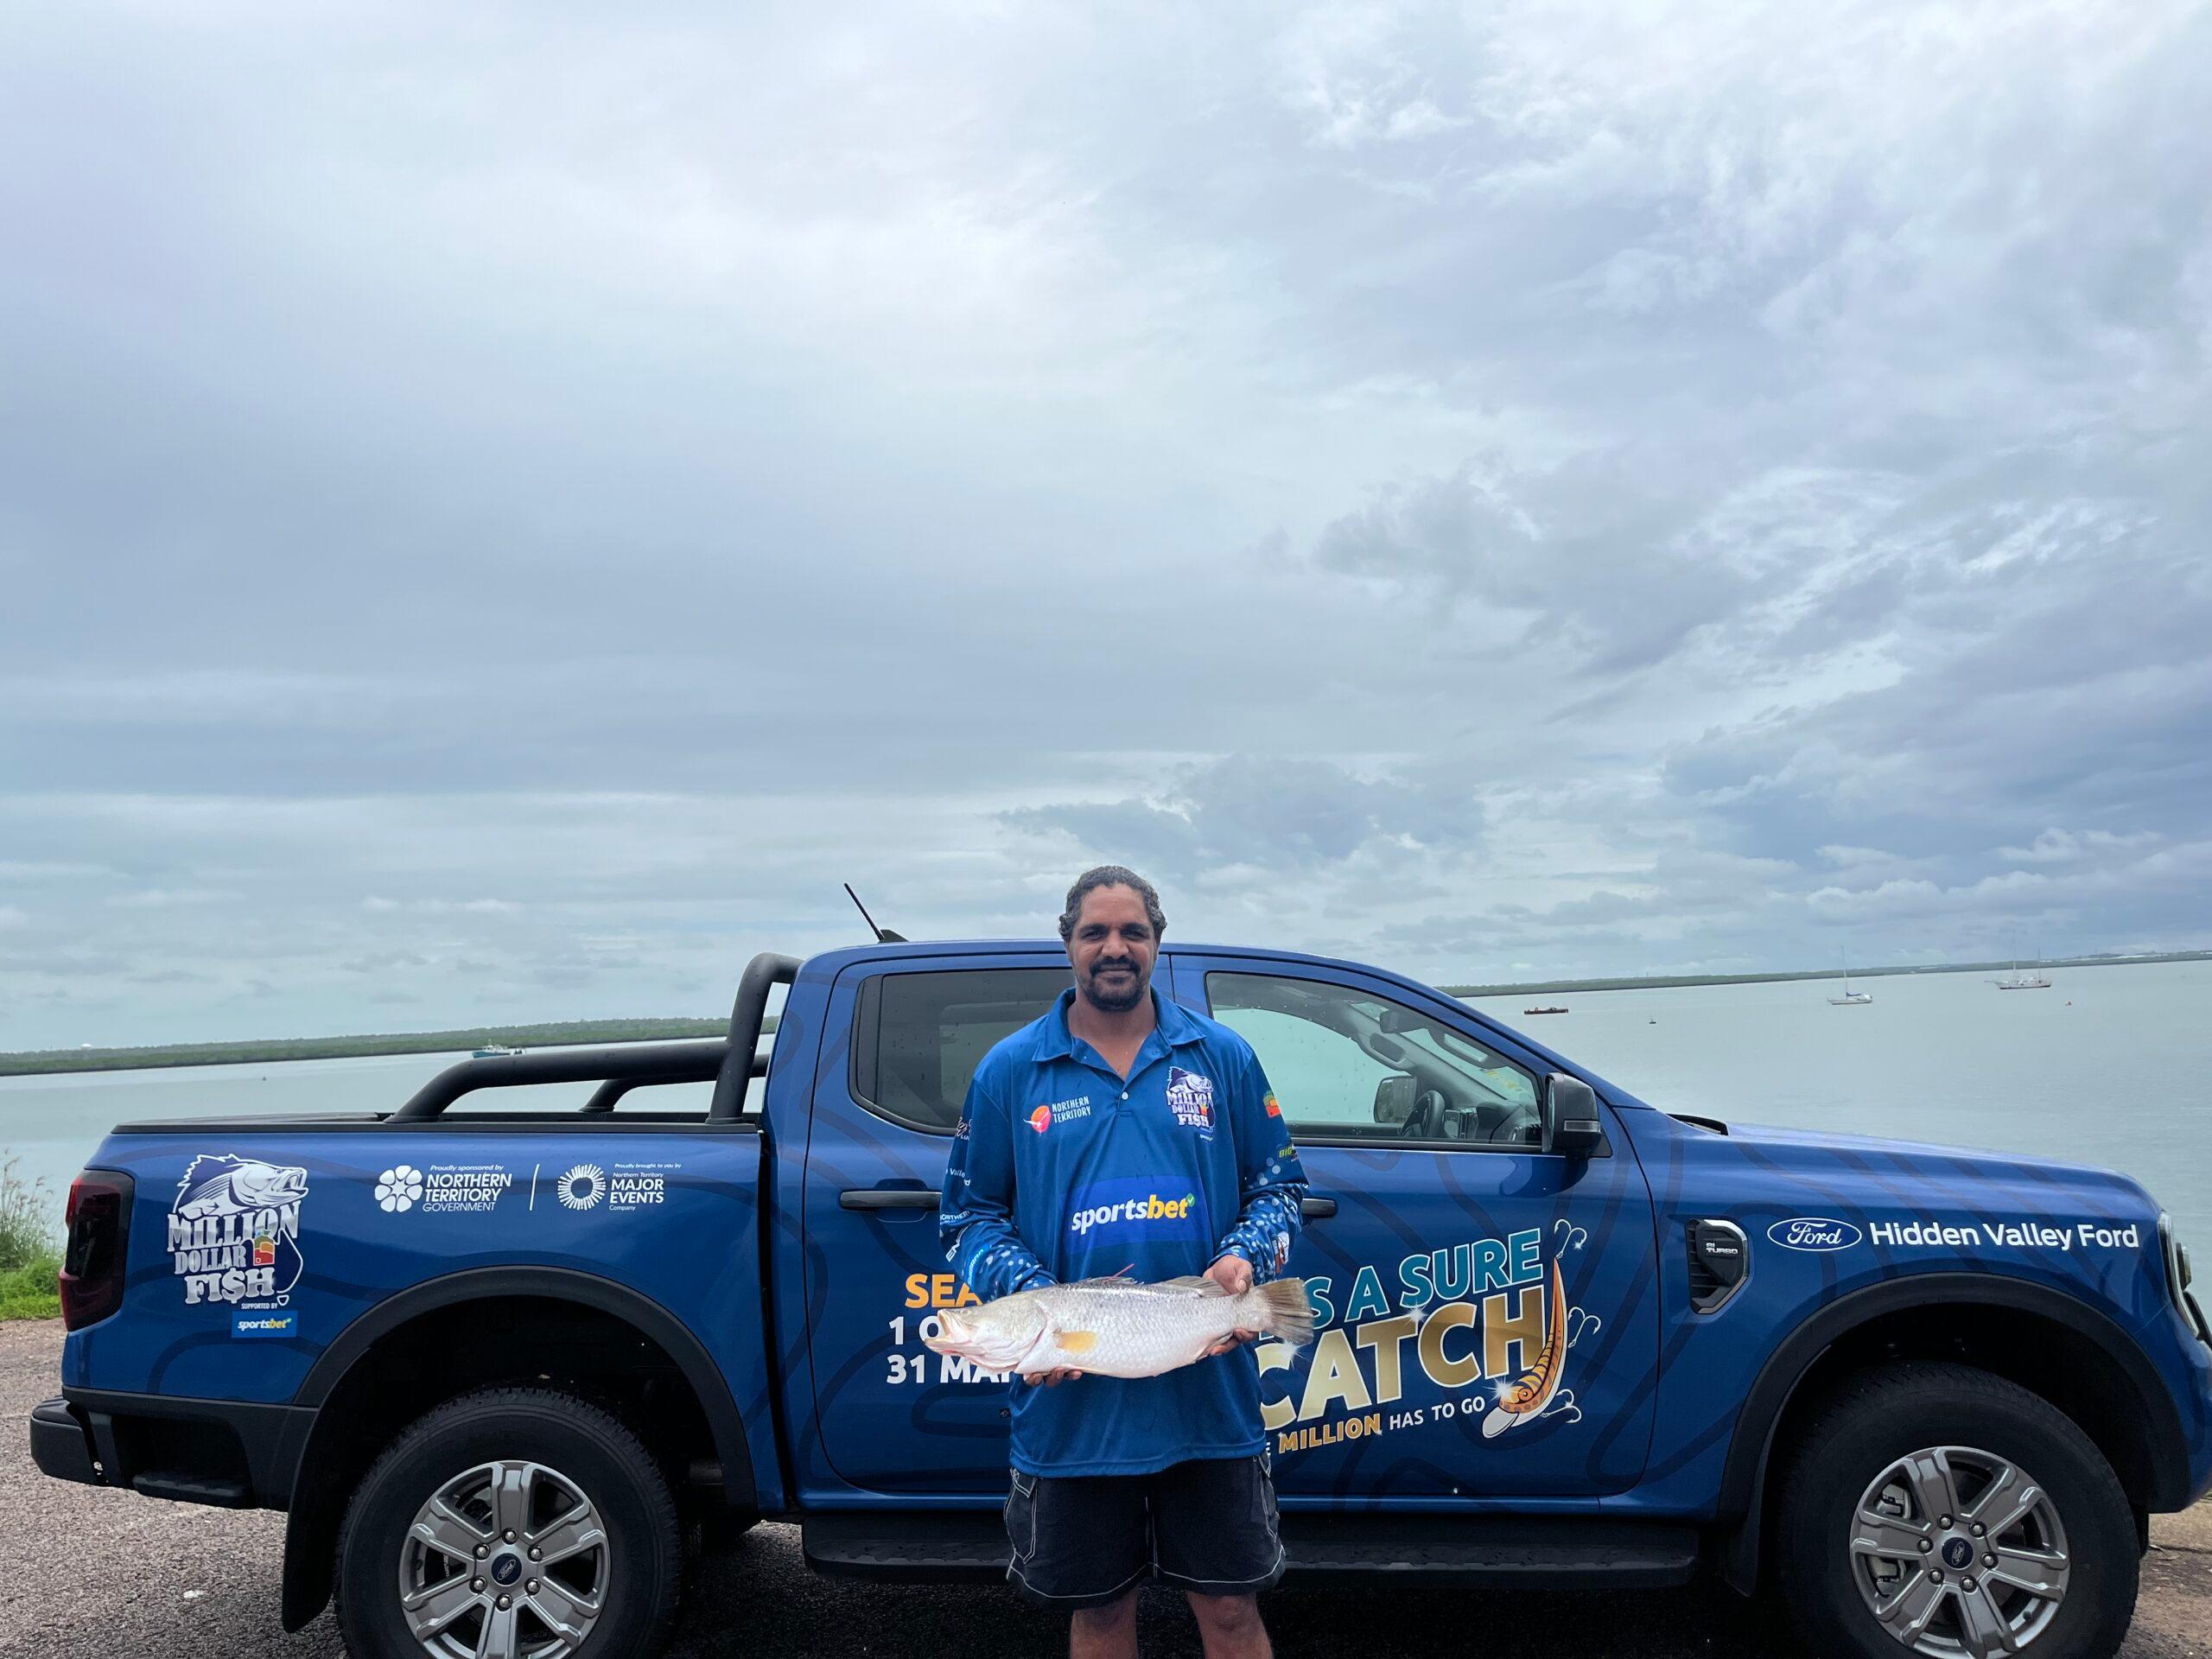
[
  {"x": 1937, "y": 1509},
  {"x": 520, "y": 1523}
]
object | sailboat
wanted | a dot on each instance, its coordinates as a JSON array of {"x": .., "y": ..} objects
[
  {"x": 1850, "y": 999},
  {"x": 2032, "y": 980}
]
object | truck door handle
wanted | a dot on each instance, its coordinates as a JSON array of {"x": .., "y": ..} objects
[
  {"x": 887, "y": 1198},
  {"x": 1316, "y": 1209}
]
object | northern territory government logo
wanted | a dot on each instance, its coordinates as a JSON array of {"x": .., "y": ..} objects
[
  {"x": 234, "y": 1229},
  {"x": 442, "y": 1189},
  {"x": 1190, "y": 1096}
]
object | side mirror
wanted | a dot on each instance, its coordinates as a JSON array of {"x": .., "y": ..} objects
[
  {"x": 1572, "y": 1124},
  {"x": 1394, "y": 1098}
]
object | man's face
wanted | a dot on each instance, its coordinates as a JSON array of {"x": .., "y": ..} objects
[{"x": 1113, "y": 949}]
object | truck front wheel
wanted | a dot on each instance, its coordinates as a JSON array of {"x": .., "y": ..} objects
[
  {"x": 1937, "y": 1509},
  {"x": 510, "y": 1523}
]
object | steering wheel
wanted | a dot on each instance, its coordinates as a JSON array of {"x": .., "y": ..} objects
[{"x": 1423, "y": 1123}]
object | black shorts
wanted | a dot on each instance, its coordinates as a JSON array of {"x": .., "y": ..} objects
[{"x": 1082, "y": 1540}]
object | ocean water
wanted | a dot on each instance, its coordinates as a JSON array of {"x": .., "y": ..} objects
[{"x": 2110, "y": 1066}]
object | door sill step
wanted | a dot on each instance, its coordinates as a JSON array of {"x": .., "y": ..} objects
[
  {"x": 924, "y": 1543},
  {"x": 1502, "y": 1552}
]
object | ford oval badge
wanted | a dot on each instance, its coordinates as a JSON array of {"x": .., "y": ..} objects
[{"x": 1814, "y": 1233}]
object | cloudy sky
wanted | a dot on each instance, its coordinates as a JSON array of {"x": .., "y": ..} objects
[{"x": 500, "y": 513}]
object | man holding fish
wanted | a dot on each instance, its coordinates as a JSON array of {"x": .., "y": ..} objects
[{"x": 1123, "y": 1193}]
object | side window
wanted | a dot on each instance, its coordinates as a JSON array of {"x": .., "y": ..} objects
[
  {"x": 918, "y": 1038},
  {"x": 1349, "y": 1064}
]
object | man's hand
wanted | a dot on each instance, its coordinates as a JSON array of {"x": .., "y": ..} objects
[{"x": 1234, "y": 1274}]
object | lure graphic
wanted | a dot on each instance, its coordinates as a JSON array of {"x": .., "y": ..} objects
[{"x": 1526, "y": 1398}]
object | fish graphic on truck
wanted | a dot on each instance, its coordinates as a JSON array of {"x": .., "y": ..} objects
[{"x": 234, "y": 1229}]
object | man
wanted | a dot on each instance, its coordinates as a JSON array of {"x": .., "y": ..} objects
[{"x": 1118, "y": 1095}]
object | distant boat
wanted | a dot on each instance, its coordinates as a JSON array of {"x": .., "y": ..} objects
[
  {"x": 1543, "y": 1010},
  {"x": 1850, "y": 999},
  {"x": 495, "y": 1052},
  {"x": 2023, "y": 980}
]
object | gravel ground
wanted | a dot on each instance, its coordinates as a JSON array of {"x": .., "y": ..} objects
[{"x": 88, "y": 1571}]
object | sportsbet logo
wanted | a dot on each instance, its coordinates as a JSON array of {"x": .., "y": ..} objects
[
  {"x": 1139, "y": 1207},
  {"x": 1151, "y": 1207}
]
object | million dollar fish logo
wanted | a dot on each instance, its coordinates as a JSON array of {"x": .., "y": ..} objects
[{"x": 234, "y": 1229}]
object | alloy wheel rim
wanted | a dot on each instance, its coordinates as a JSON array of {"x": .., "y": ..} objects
[
  {"x": 1957, "y": 1551},
  {"x": 508, "y": 1560}
]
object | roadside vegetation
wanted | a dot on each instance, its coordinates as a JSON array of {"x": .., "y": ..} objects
[
  {"x": 338, "y": 1048},
  {"x": 30, "y": 1252}
]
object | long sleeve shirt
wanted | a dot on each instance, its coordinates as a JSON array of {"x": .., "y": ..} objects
[{"x": 1061, "y": 1169}]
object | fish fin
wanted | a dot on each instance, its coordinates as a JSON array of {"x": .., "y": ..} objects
[
  {"x": 1112, "y": 1281},
  {"x": 1197, "y": 1284},
  {"x": 1290, "y": 1315},
  {"x": 1077, "y": 1342}
]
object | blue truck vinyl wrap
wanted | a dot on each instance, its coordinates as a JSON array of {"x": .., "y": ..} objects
[
  {"x": 1499, "y": 1329},
  {"x": 252, "y": 1251},
  {"x": 1829, "y": 1215}
]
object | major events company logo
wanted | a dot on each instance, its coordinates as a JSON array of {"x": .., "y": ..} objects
[{"x": 621, "y": 1188}]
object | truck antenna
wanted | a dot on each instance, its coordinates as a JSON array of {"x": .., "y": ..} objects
[{"x": 883, "y": 935}]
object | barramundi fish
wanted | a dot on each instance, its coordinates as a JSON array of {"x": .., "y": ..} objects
[
  {"x": 223, "y": 1184},
  {"x": 1118, "y": 1327}
]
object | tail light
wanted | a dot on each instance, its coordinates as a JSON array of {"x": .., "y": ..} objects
[{"x": 91, "y": 1264}]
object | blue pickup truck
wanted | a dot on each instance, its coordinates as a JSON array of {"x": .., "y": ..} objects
[{"x": 504, "y": 1366}]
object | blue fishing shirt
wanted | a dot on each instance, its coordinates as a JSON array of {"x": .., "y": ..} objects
[{"x": 1061, "y": 1171}]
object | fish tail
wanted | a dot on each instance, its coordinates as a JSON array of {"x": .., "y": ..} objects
[{"x": 1289, "y": 1315}]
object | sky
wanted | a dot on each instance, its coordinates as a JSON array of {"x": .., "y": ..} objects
[{"x": 502, "y": 510}]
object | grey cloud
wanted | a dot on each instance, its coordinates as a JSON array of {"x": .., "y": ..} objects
[
  {"x": 1285, "y": 816},
  {"x": 1604, "y": 479}
]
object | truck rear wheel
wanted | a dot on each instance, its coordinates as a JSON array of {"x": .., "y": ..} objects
[
  {"x": 1937, "y": 1509},
  {"x": 512, "y": 1523}
]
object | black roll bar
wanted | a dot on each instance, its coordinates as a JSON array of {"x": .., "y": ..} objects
[
  {"x": 728, "y": 1062},
  {"x": 762, "y": 974},
  {"x": 614, "y": 1089},
  {"x": 636, "y": 1063}
]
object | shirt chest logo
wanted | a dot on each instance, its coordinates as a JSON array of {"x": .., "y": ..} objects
[
  {"x": 1190, "y": 1096},
  {"x": 1059, "y": 1112}
]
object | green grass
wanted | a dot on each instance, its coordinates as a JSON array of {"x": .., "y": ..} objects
[
  {"x": 335, "y": 1048},
  {"x": 28, "y": 1260},
  {"x": 28, "y": 1293}
]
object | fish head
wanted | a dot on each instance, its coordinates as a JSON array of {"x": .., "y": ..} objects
[
  {"x": 994, "y": 1336},
  {"x": 268, "y": 1186},
  {"x": 224, "y": 1184}
]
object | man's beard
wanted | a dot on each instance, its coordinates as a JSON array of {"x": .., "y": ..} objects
[{"x": 1114, "y": 999}]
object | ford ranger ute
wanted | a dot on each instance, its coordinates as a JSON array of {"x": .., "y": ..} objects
[{"x": 502, "y": 1365}]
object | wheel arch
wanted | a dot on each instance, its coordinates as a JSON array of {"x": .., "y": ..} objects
[
  {"x": 2146, "y": 1446},
  {"x": 319, "y": 1486}
]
